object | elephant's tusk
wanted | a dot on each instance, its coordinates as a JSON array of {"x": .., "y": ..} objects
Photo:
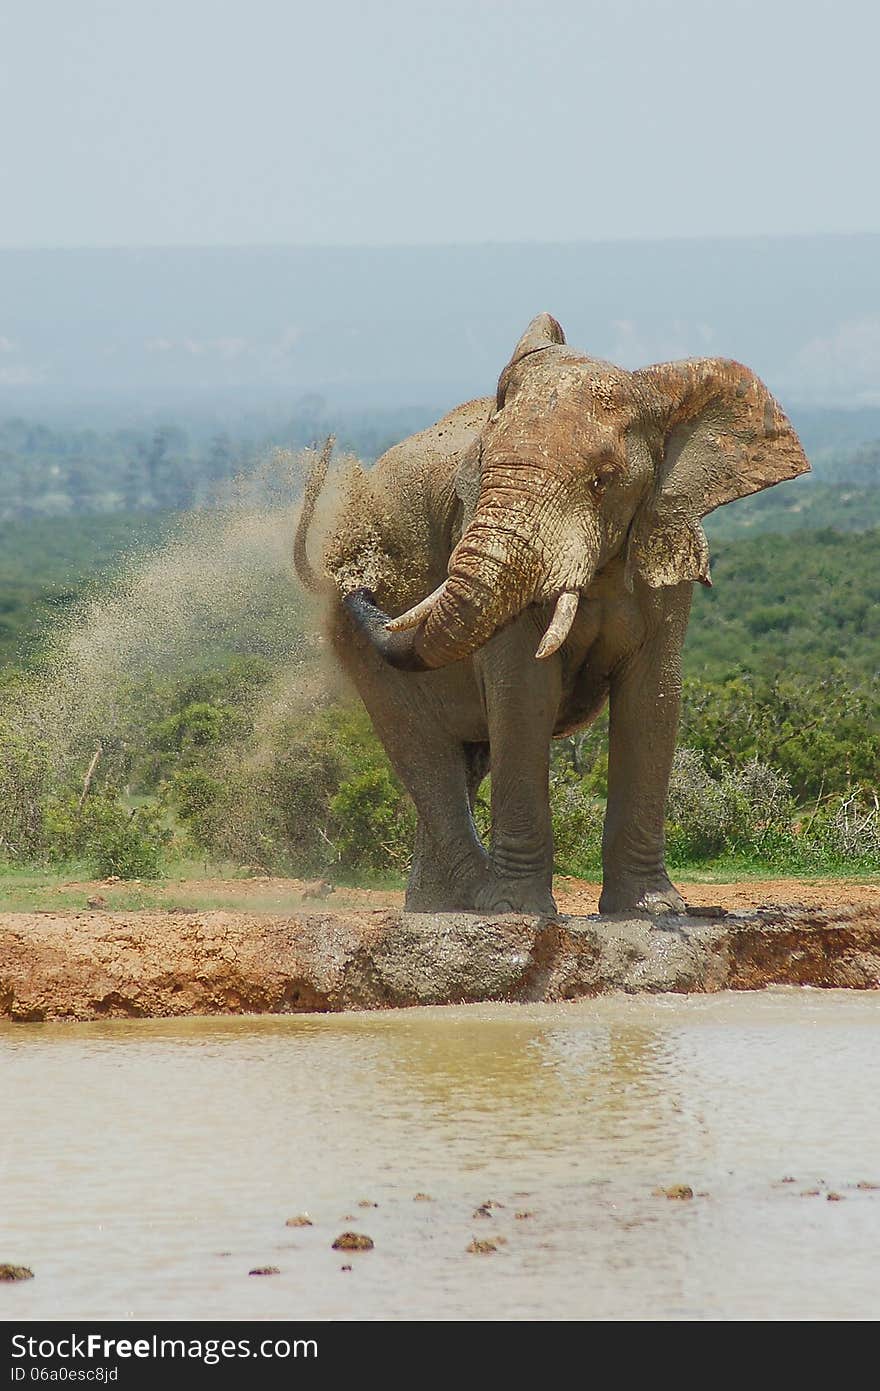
[
  {"x": 413, "y": 617},
  {"x": 560, "y": 625}
]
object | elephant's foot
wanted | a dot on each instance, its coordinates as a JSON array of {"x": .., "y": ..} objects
[
  {"x": 434, "y": 888},
  {"x": 530, "y": 896},
  {"x": 482, "y": 892},
  {"x": 655, "y": 898},
  {"x": 438, "y": 898}
]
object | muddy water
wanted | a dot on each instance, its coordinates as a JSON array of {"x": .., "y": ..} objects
[{"x": 147, "y": 1167}]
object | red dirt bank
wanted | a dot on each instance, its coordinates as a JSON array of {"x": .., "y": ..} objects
[{"x": 135, "y": 964}]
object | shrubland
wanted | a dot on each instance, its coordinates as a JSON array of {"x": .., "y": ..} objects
[{"x": 237, "y": 747}]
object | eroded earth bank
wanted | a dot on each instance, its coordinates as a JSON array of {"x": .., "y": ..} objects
[{"x": 367, "y": 954}]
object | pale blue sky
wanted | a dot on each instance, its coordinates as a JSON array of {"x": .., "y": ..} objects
[{"x": 230, "y": 122}]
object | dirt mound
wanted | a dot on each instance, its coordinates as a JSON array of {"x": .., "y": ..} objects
[{"x": 104, "y": 964}]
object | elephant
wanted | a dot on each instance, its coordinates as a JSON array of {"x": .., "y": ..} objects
[{"x": 495, "y": 579}]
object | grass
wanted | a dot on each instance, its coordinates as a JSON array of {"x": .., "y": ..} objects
[
  {"x": 67, "y": 887},
  {"x": 737, "y": 872},
  {"x": 189, "y": 884}
]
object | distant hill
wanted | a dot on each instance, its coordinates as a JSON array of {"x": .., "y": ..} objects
[
  {"x": 48, "y": 565},
  {"x": 801, "y": 604},
  {"x": 805, "y": 504},
  {"x": 224, "y": 332}
]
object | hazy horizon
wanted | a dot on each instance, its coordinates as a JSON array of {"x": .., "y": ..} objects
[
  {"x": 452, "y": 245},
  {"x": 227, "y": 207},
  {"x": 231, "y": 330}
]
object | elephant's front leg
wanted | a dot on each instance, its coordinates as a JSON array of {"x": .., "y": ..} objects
[
  {"x": 645, "y": 698},
  {"x": 522, "y": 699}
]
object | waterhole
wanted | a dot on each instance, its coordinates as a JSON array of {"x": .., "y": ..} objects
[{"x": 147, "y": 1167}]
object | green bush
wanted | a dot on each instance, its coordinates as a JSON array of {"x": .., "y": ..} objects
[
  {"x": 374, "y": 823},
  {"x": 847, "y": 830},
  {"x": 584, "y": 754},
  {"x": 25, "y": 777},
  {"x": 738, "y": 811},
  {"x": 193, "y": 793},
  {"x": 106, "y": 836},
  {"x": 310, "y": 794},
  {"x": 577, "y": 826},
  {"x": 316, "y": 794},
  {"x": 198, "y": 726},
  {"x": 820, "y": 734}
]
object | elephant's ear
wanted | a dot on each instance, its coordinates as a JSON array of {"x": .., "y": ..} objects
[
  {"x": 723, "y": 437},
  {"x": 543, "y": 332}
]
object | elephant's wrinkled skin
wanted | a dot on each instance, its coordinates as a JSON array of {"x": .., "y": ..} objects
[{"x": 580, "y": 482}]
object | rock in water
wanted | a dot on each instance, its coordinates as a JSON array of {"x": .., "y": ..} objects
[
  {"x": 678, "y": 1192},
  {"x": 353, "y": 1241}
]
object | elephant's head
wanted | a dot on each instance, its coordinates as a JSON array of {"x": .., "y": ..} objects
[{"x": 583, "y": 461}]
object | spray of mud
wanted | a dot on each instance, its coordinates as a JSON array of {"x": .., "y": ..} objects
[{"x": 222, "y": 582}]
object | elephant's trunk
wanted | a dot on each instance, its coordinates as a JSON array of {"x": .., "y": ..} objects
[
  {"x": 503, "y": 562},
  {"x": 485, "y": 588}
]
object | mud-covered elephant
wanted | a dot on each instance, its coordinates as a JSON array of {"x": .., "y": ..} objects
[{"x": 536, "y": 553}]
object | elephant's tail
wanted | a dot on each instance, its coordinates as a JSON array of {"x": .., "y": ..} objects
[{"x": 314, "y": 582}]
